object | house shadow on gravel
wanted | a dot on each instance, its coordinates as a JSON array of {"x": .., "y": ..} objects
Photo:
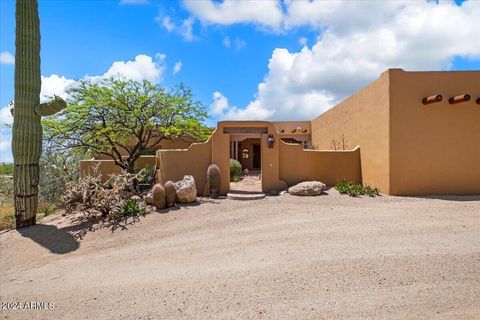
[
  {"x": 451, "y": 197},
  {"x": 58, "y": 241}
]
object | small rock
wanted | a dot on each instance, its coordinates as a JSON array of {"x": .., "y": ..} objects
[
  {"x": 186, "y": 190},
  {"x": 148, "y": 199},
  {"x": 135, "y": 197},
  {"x": 307, "y": 188}
]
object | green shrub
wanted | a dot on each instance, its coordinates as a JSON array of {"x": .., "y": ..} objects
[
  {"x": 235, "y": 170},
  {"x": 371, "y": 192},
  {"x": 146, "y": 176},
  {"x": 355, "y": 190},
  {"x": 129, "y": 208},
  {"x": 6, "y": 169}
]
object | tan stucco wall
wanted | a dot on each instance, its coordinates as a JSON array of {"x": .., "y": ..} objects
[
  {"x": 174, "y": 164},
  {"x": 364, "y": 120},
  {"x": 108, "y": 167},
  {"x": 164, "y": 144},
  {"x": 287, "y": 126},
  {"x": 330, "y": 167},
  {"x": 434, "y": 149}
]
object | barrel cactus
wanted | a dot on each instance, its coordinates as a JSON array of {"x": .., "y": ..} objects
[
  {"x": 158, "y": 195},
  {"x": 170, "y": 193},
  {"x": 213, "y": 180},
  {"x": 27, "y": 112}
]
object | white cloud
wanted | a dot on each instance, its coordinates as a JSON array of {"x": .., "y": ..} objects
[
  {"x": 143, "y": 67},
  {"x": 267, "y": 13},
  {"x": 220, "y": 103},
  {"x": 221, "y": 110},
  {"x": 303, "y": 41},
  {"x": 7, "y": 58},
  {"x": 177, "y": 67},
  {"x": 227, "y": 42},
  {"x": 184, "y": 27},
  {"x": 5, "y": 144},
  {"x": 167, "y": 23},
  {"x": 55, "y": 85},
  {"x": 238, "y": 43},
  {"x": 6, "y": 116},
  {"x": 358, "y": 42},
  {"x": 133, "y": 1}
]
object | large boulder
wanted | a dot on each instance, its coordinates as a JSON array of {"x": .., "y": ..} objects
[
  {"x": 186, "y": 190},
  {"x": 307, "y": 188}
]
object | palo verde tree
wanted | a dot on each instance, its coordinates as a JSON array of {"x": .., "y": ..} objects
[
  {"x": 27, "y": 128},
  {"x": 121, "y": 118}
]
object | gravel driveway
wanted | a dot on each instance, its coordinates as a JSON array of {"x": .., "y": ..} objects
[{"x": 281, "y": 257}]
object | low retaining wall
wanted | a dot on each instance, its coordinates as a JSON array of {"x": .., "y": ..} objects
[
  {"x": 329, "y": 167},
  {"x": 174, "y": 164}
]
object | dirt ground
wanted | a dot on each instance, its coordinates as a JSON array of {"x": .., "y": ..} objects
[{"x": 281, "y": 257}]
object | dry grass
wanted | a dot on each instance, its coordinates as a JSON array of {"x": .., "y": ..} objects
[{"x": 7, "y": 210}]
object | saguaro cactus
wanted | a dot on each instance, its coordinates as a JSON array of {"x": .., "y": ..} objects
[{"x": 27, "y": 128}]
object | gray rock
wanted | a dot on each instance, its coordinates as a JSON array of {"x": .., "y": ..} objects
[
  {"x": 136, "y": 198},
  {"x": 148, "y": 198},
  {"x": 186, "y": 190},
  {"x": 307, "y": 188}
]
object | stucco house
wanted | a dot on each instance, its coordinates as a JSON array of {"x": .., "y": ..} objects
[{"x": 408, "y": 133}]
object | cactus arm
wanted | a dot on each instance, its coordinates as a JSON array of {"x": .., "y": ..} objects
[{"x": 50, "y": 108}]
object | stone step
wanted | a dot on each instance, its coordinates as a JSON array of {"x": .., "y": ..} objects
[{"x": 245, "y": 195}]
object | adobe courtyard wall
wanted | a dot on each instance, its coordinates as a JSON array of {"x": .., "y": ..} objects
[
  {"x": 329, "y": 167},
  {"x": 173, "y": 164},
  {"x": 363, "y": 119},
  {"x": 435, "y": 148}
]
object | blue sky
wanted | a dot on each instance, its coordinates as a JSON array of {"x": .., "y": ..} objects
[{"x": 272, "y": 60}]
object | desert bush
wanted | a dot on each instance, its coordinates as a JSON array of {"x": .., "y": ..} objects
[
  {"x": 128, "y": 208},
  {"x": 213, "y": 180},
  {"x": 170, "y": 193},
  {"x": 6, "y": 169},
  {"x": 355, "y": 190},
  {"x": 90, "y": 195},
  {"x": 235, "y": 170},
  {"x": 158, "y": 195},
  {"x": 57, "y": 168},
  {"x": 371, "y": 191},
  {"x": 146, "y": 175}
]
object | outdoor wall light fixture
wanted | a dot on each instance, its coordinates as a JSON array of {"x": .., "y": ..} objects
[
  {"x": 432, "y": 99},
  {"x": 270, "y": 140},
  {"x": 304, "y": 131},
  {"x": 293, "y": 130},
  {"x": 459, "y": 99},
  {"x": 478, "y": 100},
  {"x": 281, "y": 131}
]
